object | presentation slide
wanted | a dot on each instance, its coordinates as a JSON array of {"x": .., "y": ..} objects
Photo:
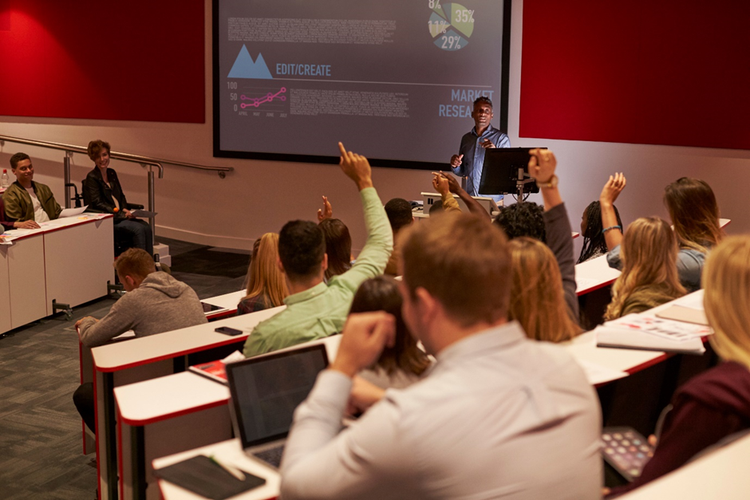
[{"x": 392, "y": 79}]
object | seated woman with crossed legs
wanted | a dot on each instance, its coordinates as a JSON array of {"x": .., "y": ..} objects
[{"x": 102, "y": 192}]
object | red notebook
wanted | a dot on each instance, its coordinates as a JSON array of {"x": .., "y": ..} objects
[{"x": 213, "y": 370}]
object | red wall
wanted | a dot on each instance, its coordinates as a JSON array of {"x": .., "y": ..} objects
[
  {"x": 124, "y": 60},
  {"x": 671, "y": 72}
]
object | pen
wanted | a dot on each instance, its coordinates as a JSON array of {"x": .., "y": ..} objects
[{"x": 230, "y": 469}]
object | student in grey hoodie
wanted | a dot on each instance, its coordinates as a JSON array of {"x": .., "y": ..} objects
[{"x": 155, "y": 303}]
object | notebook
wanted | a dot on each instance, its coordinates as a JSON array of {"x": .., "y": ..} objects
[{"x": 265, "y": 392}]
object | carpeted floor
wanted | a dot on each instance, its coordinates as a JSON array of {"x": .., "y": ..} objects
[
  {"x": 40, "y": 430},
  {"x": 210, "y": 261}
]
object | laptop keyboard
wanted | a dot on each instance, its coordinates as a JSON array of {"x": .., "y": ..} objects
[{"x": 271, "y": 456}]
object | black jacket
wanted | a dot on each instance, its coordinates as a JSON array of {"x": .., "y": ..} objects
[{"x": 98, "y": 195}]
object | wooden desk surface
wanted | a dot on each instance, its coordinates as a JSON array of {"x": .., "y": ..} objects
[
  {"x": 151, "y": 401},
  {"x": 594, "y": 274}
]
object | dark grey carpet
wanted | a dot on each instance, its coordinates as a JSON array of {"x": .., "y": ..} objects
[{"x": 40, "y": 430}]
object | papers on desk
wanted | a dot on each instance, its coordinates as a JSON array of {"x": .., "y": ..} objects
[
  {"x": 71, "y": 212},
  {"x": 642, "y": 331}
]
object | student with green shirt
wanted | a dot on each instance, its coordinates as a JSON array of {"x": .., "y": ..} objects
[{"x": 317, "y": 309}]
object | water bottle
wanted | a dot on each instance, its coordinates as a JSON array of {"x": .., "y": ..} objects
[{"x": 5, "y": 180}]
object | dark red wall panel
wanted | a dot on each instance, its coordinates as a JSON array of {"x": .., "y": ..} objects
[
  {"x": 670, "y": 72},
  {"x": 123, "y": 60}
]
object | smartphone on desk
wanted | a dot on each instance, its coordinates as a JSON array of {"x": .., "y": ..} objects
[{"x": 227, "y": 330}]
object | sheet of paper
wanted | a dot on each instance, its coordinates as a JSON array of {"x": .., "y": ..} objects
[
  {"x": 71, "y": 212},
  {"x": 665, "y": 328},
  {"x": 634, "y": 339}
]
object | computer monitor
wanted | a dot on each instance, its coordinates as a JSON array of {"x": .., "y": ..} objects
[{"x": 500, "y": 173}]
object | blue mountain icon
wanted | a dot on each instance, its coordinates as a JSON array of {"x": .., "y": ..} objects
[{"x": 244, "y": 67}]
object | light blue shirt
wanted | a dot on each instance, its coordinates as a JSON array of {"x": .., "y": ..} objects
[
  {"x": 689, "y": 266},
  {"x": 473, "y": 161},
  {"x": 498, "y": 416}
]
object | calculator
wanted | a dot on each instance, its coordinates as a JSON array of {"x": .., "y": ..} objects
[{"x": 626, "y": 451}]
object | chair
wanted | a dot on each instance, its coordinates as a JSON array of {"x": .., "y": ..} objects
[{"x": 123, "y": 239}]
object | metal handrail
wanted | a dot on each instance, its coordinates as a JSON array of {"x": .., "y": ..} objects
[{"x": 145, "y": 161}]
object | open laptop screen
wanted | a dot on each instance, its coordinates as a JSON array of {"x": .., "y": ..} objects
[{"x": 266, "y": 390}]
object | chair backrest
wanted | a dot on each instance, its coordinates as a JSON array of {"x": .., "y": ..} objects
[
  {"x": 84, "y": 193},
  {"x": 76, "y": 197}
]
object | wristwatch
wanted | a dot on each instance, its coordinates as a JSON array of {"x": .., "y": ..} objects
[{"x": 552, "y": 182}]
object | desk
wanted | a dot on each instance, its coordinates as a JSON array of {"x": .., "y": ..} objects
[
  {"x": 40, "y": 264},
  {"x": 594, "y": 274},
  {"x": 150, "y": 357},
  {"x": 227, "y": 303},
  {"x": 163, "y": 416},
  {"x": 171, "y": 414},
  {"x": 720, "y": 474}
]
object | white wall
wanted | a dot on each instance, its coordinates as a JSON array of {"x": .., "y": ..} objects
[{"x": 260, "y": 196}]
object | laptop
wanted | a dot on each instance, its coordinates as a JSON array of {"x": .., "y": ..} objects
[
  {"x": 487, "y": 202},
  {"x": 265, "y": 392}
]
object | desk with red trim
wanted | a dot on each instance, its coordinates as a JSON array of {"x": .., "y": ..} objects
[
  {"x": 150, "y": 357},
  {"x": 39, "y": 266}
]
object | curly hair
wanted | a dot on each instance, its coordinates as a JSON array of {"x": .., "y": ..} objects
[{"x": 523, "y": 219}]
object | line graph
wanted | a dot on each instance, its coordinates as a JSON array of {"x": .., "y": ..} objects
[{"x": 257, "y": 101}]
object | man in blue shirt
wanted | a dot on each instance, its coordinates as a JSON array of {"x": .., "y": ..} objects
[{"x": 470, "y": 160}]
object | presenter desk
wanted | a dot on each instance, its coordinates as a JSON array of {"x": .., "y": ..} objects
[{"x": 38, "y": 267}]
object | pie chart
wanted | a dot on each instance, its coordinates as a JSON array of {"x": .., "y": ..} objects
[{"x": 451, "y": 25}]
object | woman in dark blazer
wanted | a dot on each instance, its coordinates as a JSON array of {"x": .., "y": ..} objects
[{"x": 102, "y": 193}]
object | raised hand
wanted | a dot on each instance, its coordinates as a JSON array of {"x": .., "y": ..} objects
[
  {"x": 453, "y": 184},
  {"x": 440, "y": 183},
  {"x": 356, "y": 167},
  {"x": 326, "y": 212},
  {"x": 612, "y": 189},
  {"x": 542, "y": 165}
]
